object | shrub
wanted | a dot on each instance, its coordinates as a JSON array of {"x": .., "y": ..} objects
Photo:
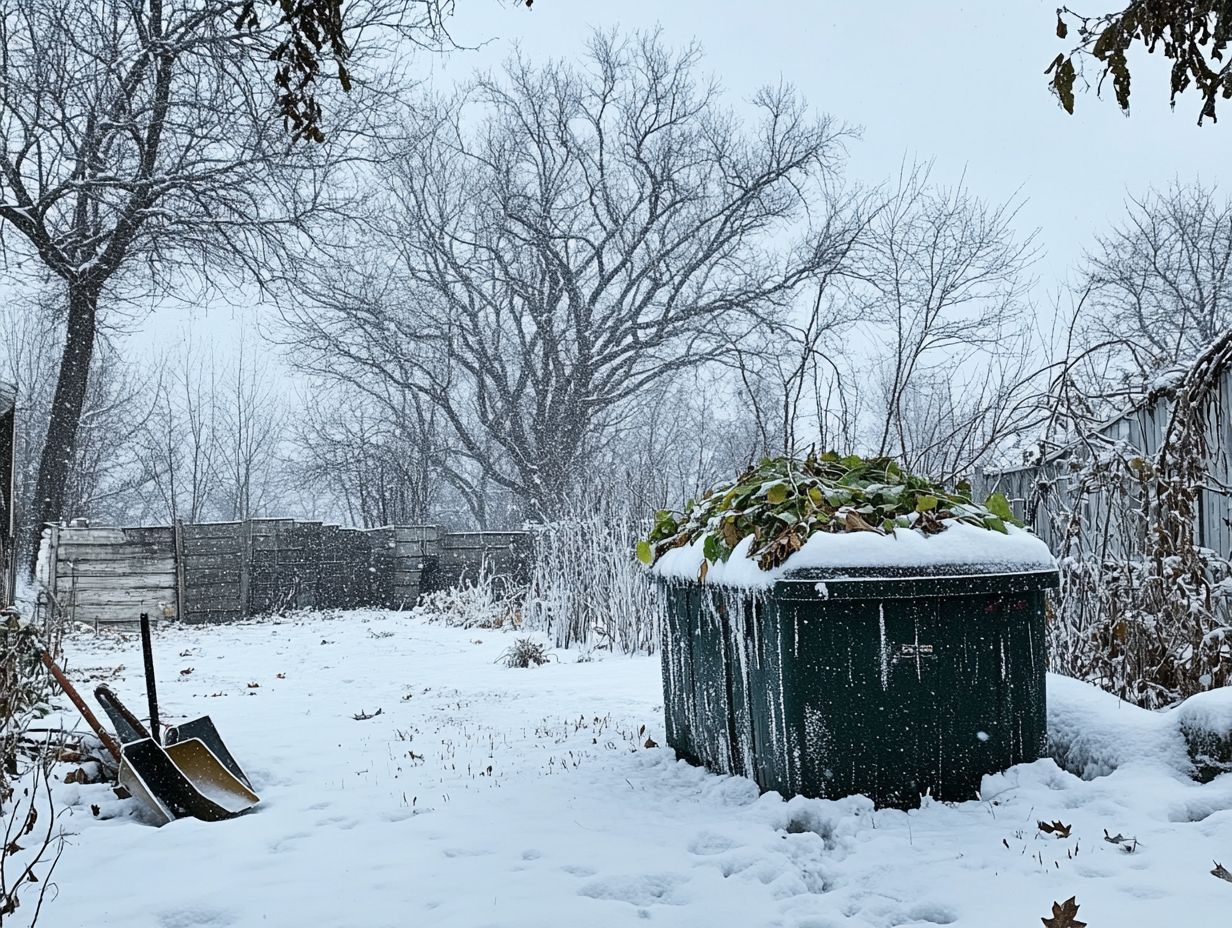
[
  {"x": 586, "y": 588},
  {"x": 523, "y": 653},
  {"x": 482, "y": 602}
]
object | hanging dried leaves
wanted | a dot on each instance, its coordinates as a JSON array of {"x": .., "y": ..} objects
[
  {"x": 315, "y": 33},
  {"x": 1192, "y": 34}
]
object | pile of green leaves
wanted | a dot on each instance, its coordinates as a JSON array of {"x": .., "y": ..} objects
[{"x": 781, "y": 502}]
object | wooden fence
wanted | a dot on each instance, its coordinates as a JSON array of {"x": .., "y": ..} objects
[
  {"x": 223, "y": 571},
  {"x": 461, "y": 555},
  {"x": 119, "y": 572}
]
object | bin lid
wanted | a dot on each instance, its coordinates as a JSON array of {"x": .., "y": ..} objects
[
  {"x": 900, "y": 582},
  {"x": 8, "y": 397},
  {"x": 900, "y": 560}
]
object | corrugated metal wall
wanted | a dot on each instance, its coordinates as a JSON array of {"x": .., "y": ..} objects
[{"x": 1043, "y": 490}]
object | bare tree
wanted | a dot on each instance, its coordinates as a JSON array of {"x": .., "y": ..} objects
[
  {"x": 380, "y": 463},
  {"x": 28, "y": 362},
  {"x": 139, "y": 147},
  {"x": 250, "y": 433},
  {"x": 673, "y": 442},
  {"x": 179, "y": 446},
  {"x": 103, "y": 478},
  {"x": 1159, "y": 284},
  {"x": 793, "y": 381},
  {"x": 565, "y": 237},
  {"x": 942, "y": 282}
]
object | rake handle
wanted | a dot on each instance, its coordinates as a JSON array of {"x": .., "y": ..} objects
[{"x": 108, "y": 742}]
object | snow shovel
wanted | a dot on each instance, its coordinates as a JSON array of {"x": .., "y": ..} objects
[
  {"x": 203, "y": 729},
  {"x": 129, "y": 728},
  {"x": 184, "y": 779}
]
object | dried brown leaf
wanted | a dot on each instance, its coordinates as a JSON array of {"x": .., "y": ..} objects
[
  {"x": 1058, "y": 829},
  {"x": 1064, "y": 915}
]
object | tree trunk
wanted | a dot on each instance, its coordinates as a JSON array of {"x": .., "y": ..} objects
[{"x": 60, "y": 446}]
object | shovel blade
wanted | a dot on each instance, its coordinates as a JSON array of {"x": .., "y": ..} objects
[
  {"x": 203, "y": 729},
  {"x": 185, "y": 779}
]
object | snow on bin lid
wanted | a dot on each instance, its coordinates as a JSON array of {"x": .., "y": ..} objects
[
  {"x": 837, "y": 517},
  {"x": 8, "y": 397},
  {"x": 970, "y": 547}
]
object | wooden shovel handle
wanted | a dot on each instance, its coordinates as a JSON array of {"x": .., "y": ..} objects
[{"x": 103, "y": 736}]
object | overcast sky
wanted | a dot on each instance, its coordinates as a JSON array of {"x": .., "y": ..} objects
[{"x": 961, "y": 84}]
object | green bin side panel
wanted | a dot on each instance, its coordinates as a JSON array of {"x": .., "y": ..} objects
[
  {"x": 708, "y": 674},
  {"x": 678, "y": 683},
  {"x": 901, "y": 698},
  {"x": 892, "y": 699}
]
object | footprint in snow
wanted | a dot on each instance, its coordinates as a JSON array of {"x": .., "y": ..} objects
[
  {"x": 465, "y": 852},
  {"x": 196, "y": 918},
  {"x": 649, "y": 889},
  {"x": 933, "y": 913},
  {"x": 286, "y": 841},
  {"x": 341, "y": 822},
  {"x": 709, "y": 843}
]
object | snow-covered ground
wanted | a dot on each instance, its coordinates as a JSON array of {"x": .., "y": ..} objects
[{"x": 487, "y": 796}]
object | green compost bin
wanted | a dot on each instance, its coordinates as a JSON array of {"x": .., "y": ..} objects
[{"x": 893, "y": 682}]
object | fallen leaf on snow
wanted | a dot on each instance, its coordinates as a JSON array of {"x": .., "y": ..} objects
[
  {"x": 1060, "y": 829},
  {"x": 1064, "y": 915}
]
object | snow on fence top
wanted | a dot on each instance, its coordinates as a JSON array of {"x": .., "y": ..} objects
[{"x": 836, "y": 513}]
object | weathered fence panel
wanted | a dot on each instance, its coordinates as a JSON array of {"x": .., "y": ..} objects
[
  {"x": 224, "y": 571},
  {"x": 215, "y": 571},
  {"x": 413, "y": 546},
  {"x": 463, "y": 555},
  {"x": 111, "y": 574}
]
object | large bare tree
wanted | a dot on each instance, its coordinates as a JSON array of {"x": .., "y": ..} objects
[
  {"x": 142, "y": 153},
  {"x": 558, "y": 238},
  {"x": 1160, "y": 282}
]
